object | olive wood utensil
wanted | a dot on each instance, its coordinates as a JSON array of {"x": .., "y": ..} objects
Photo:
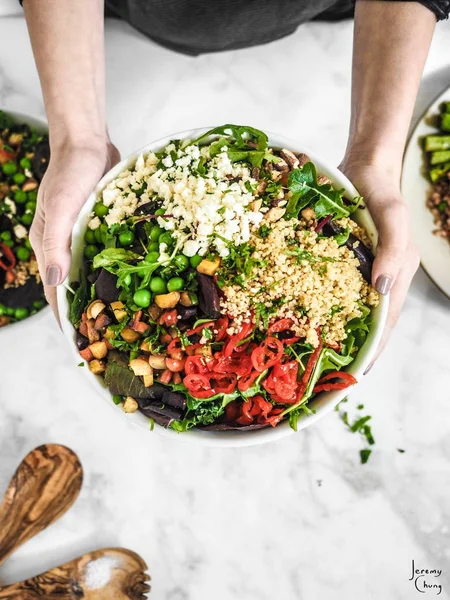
[
  {"x": 108, "y": 574},
  {"x": 45, "y": 485}
]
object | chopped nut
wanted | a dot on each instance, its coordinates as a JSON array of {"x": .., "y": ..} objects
[
  {"x": 256, "y": 205},
  {"x": 281, "y": 165},
  {"x": 322, "y": 179},
  {"x": 274, "y": 214},
  {"x": 262, "y": 187},
  {"x": 154, "y": 312},
  {"x": 130, "y": 405},
  {"x": 94, "y": 309},
  {"x": 15, "y": 139},
  {"x": 290, "y": 158},
  {"x": 185, "y": 299},
  {"x": 303, "y": 159},
  {"x": 29, "y": 185}
]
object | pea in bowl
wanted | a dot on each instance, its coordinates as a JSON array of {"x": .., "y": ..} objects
[
  {"x": 24, "y": 155},
  {"x": 220, "y": 287}
]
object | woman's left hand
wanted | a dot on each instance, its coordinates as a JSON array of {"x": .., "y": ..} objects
[{"x": 396, "y": 259}]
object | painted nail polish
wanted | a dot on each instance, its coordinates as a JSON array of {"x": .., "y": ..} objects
[
  {"x": 383, "y": 284},
  {"x": 53, "y": 275}
]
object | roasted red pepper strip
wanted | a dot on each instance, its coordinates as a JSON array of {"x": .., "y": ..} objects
[
  {"x": 6, "y": 252},
  {"x": 345, "y": 381},
  {"x": 310, "y": 367},
  {"x": 280, "y": 325},
  {"x": 245, "y": 331},
  {"x": 246, "y": 381},
  {"x": 268, "y": 354}
]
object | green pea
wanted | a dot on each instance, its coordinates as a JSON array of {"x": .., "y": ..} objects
[
  {"x": 2, "y": 310},
  {"x": 160, "y": 212},
  {"x": 9, "y": 168},
  {"x": 155, "y": 233},
  {"x": 126, "y": 238},
  {"x": 100, "y": 233},
  {"x": 25, "y": 163},
  {"x": 27, "y": 244},
  {"x": 9, "y": 243},
  {"x": 21, "y": 313},
  {"x": 101, "y": 210},
  {"x": 158, "y": 285},
  {"x": 32, "y": 196},
  {"x": 20, "y": 196},
  {"x": 175, "y": 284},
  {"x": 165, "y": 238},
  {"x": 181, "y": 262},
  {"x": 27, "y": 219},
  {"x": 195, "y": 261},
  {"x": 19, "y": 178},
  {"x": 89, "y": 236},
  {"x": 153, "y": 247},
  {"x": 38, "y": 304},
  {"x": 9, "y": 311},
  {"x": 142, "y": 298},
  {"x": 152, "y": 257},
  {"x": 23, "y": 253},
  {"x": 90, "y": 251},
  {"x": 5, "y": 235},
  {"x": 30, "y": 206}
]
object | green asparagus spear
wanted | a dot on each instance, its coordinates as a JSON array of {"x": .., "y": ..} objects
[
  {"x": 445, "y": 122},
  {"x": 437, "y": 142},
  {"x": 439, "y": 171},
  {"x": 441, "y": 156}
]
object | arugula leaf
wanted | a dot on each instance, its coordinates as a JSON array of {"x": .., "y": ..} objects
[
  {"x": 79, "y": 301},
  {"x": 306, "y": 191},
  {"x": 342, "y": 237},
  {"x": 365, "y": 455},
  {"x": 113, "y": 256}
]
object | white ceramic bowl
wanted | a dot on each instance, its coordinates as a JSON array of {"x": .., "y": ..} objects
[
  {"x": 322, "y": 404},
  {"x": 41, "y": 126}
]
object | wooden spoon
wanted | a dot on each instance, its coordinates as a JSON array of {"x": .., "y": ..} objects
[
  {"x": 109, "y": 574},
  {"x": 45, "y": 485}
]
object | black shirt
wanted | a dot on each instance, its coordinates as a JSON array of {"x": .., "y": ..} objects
[{"x": 197, "y": 26}]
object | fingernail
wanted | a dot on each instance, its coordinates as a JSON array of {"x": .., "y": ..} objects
[
  {"x": 383, "y": 284},
  {"x": 369, "y": 368},
  {"x": 53, "y": 275}
]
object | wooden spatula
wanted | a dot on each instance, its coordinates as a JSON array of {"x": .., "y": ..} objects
[
  {"x": 108, "y": 574},
  {"x": 45, "y": 485}
]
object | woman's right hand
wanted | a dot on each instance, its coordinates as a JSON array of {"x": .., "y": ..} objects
[{"x": 72, "y": 174}]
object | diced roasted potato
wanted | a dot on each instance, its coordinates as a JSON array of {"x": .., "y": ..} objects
[
  {"x": 140, "y": 367},
  {"x": 157, "y": 361},
  {"x": 167, "y": 300},
  {"x": 97, "y": 366},
  {"x": 99, "y": 349},
  {"x": 30, "y": 185},
  {"x": 209, "y": 267},
  {"x": 130, "y": 405},
  {"x": 92, "y": 334},
  {"x": 185, "y": 299},
  {"x": 154, "y": 312},
  {"x": 86, "y": 354},
  {"x": 94, "y": 309},
  {"x": 129, "y": 335},
  {"x": 118, "y": 309},
  {"x": 148, "y": 380},
  {"x": 109, "y": 334},
  {"x": 145, "y": 347}
]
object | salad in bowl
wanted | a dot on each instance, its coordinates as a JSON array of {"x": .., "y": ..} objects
[{"x": 222, "y": 285}]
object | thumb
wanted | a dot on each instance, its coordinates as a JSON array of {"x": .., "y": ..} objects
[
  {"x": 59, "y": 219},
  {"x": 391, "y": 221}
]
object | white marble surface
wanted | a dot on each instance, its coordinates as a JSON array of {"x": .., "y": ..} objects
[{"x": 300, "y": 519}]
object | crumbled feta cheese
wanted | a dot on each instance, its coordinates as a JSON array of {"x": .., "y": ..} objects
[
  {"x": 11, "y": 204},
  {"x": 94, "y": 223},
  {"x": 20, "y": 232}
]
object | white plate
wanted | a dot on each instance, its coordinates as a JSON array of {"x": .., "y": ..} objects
[
  {"x": 434, "y": 251},
  {"x": 322, "y": 404}
]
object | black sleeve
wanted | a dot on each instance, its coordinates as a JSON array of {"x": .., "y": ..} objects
[{"x": 441, "y": 8}]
